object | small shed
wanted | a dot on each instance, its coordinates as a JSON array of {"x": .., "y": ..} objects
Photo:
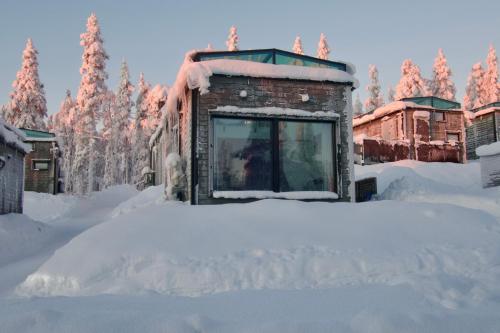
[
  {"x": 489, "y": 157},
  {"x": 43, "y": 163},
  {"x": 12, "y": 152}
]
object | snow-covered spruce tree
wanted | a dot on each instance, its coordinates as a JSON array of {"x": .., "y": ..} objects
[
  {"x": 297, "y": 46},
  {"x": 479, "y": 78},
  {"x": 118, "y": 150},
  {"x": 491, "y": 84},
  {"x": 232, "y": 39},
  {"x": 323, "y": 48},
  {"x": 375, "y": 98},
  {"x": 89, "y": 100},
  {"x": 140, "y": 149},
  {"x": 411, "y": 83},
  {"x": 357, "y": 108},
  {"x": 470, "y": 97},
  {"x": 28, "y": 107},
  {"x": 63, "y": 127},
  {"x": 155, "y": 99},
  {"x": 441, "y": 85},
  {"x": 390, "y": 94}
]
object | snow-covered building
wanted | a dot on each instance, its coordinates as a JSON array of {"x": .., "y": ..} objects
[
  {"x": 12, "y": 152},
  {"x": 246, "y": 125},
  {"x": 484, "y": 127},
  {"x": 43, "y": 163},
  {"x": 427, "y": 129}
]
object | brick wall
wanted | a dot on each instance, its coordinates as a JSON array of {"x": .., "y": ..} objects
[
  {"x": 11, "y": 180},
  {"x": 262, "y": 92}
]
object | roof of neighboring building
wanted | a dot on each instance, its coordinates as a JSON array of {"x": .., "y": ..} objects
[
  {"x": 486, "y": 106},
  {"x": 13, "y": 136},
  {"x": 437, "y": 102},
  {"x": 37, "y": 135},
  {"x": 391, "y": 108}
]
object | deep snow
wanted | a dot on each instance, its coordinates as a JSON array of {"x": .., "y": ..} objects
[{"x": 426, "y": 257}]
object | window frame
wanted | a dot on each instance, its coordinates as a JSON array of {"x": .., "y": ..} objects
[
  {"x": 439, "y": 112},
  {"x": 457, "y": 133},
  {"x": 275, "y": 151},
  {"x": 41, "y": 160}
]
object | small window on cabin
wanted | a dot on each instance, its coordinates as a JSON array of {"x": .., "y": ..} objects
[
  {"x": 41, "y": 165},
  {"x": 452, "y": 137},
  {"x": 439, "y": 116}
]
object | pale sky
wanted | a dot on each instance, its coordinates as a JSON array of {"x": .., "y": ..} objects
[{"x": 153, "y": 36}]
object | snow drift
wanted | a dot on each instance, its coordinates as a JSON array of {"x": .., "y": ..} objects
[{"x": 177, "y": 249}]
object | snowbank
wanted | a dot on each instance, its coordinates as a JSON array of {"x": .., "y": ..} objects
[
  {"x": 488, "y": 150},
  {"x": 47, "y": 207},
  {"x": 21, "y": 237},
  {"x": 176, "y": 249},
  {"x": 151, "y": 196}
]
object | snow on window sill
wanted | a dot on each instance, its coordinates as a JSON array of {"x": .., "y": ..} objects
[
  {"x": 275, "y": 111},
  {"x": 298, "y": 195}
]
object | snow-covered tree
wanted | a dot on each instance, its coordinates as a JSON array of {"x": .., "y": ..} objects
[
  {"x": 232, "y": 39},
  {"x": 297, "y": 46},
  {"x": 411, "y": 83},
  {"x": 89, "y": 100},
  {"x": 481, "y": 95},
  {"x": 471, "y": 91},
  {"x": 323, "y": 48},
  {"x": 118, "y": 151},
  {"x": 375, "y": 98},
  {"x": 357, "y": 107},
  {"x": 441, "y": 84},
  {"x": 63, "y": 123},
  {"x": 28, "y": 107},
  {"x": 491, "y": 84},
  {"x": 390, "y": 94},
  {"x": 142, "y": 130},
  {"x": 155, "y": 99}
]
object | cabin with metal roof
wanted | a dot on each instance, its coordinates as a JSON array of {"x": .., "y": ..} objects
[
  {"x": 255, "y": 124},
  {"x": 427, "y": 129},
  {"x": 43, "y": 164}
]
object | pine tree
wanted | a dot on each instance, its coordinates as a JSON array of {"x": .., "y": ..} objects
[
  {"x": 411, "y": 83},
  {"x": 375, "y": 98},
  {"x": 27, "y": 107},
  {"x": 155, "y": 99},
  {"x": 442, "y": 86},
  {"x": 390, "y": 94},
  {"x": 232, "y": 39},
  {"x": 117, "y": 169},
  {"x": 491, "y": 84},
  {"x": 323, "y": 49},
  {"x": 357, "y": 107},
  {"x": 89, "y": 100},
  {"x": 297, "y": 46}
]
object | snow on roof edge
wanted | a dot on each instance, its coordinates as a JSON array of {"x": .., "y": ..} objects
[
  {"x": 13, "y": 136},
  {"x": 488, "y": 150}
]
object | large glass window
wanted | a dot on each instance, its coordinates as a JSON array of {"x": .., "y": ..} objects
[
  {"x": 242, "y": 154},
  {"x": 273, "y": 155},
  {"x": 305, "y": 156}
]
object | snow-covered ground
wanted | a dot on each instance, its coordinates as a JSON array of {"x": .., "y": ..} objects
[{"x": 425, "y": 257}]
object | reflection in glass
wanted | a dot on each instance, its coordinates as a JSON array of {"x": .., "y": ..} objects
[
  {"x": 306, "y": 158},
  {"x": 242, "y": 154}
]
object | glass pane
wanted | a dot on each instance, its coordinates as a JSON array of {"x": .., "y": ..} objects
[
  {"x": 242, "y": 154},
  {"x": 264, "y": 57},
  {"x": 306, "y": 156}
]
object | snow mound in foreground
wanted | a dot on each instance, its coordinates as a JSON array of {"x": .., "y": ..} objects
[
  {"x": 21, "y": 237},
  {"x": 449, "y": 254},
  {"x": 151, "y": 196}
]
